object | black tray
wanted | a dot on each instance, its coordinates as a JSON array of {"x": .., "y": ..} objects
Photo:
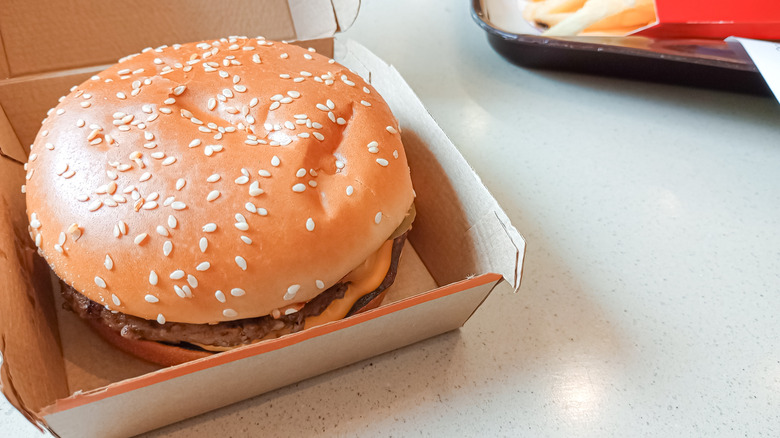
[{"x": 690, "y": 62}]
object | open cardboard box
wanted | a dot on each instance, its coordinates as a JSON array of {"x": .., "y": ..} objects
[
  {"x": 680, "y": 19},
  {"x": 59, "y": 374}
]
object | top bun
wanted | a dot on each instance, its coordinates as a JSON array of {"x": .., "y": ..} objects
[{"x": 215, "y": 181}]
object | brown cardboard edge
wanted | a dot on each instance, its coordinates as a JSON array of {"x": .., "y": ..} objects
[
  {"x": 5, "y": 70},
  {"x": 165, "y": 374},
  {"x": 10, "y": 146}
]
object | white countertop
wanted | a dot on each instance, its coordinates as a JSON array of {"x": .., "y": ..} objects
[{"x": 650, "y": 303}]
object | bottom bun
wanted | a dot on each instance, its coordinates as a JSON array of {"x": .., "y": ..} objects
[{"x": 150, "y": 351}]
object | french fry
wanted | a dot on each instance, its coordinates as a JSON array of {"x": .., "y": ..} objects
[{"x": 596, "y": 17}]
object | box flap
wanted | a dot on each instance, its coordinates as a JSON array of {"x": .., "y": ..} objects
[
  {"x": 315, "y": 19},
  {"x": 453, "y": 205},
  {"x": 31, "y": 367},
  {"x": 47, "y": 36},
  {"x": 9, "y": 144},
  {"x": 758, "y": 19}
]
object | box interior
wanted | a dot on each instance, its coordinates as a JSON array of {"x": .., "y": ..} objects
[{"x": 460, "y": 232}]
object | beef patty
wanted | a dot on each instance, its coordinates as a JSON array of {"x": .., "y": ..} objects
[{"x": 228, "y": 333}]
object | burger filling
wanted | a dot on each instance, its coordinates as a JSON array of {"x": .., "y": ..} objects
[{"x": 332, "y": 304}]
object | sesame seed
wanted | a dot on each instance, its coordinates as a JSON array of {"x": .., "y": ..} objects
[
  {"x": 121, "y": 95},
  {"x": 180, "y": 183},
  {"x": 100, "y": 282},
  {"x": 140, "y": 238},
  {"x": 301, "y": 173},
  {"x": 150, "y": 205},
  {"x": 161, "y": 230},
  {"x": 179, "y": 291},
  {"x": 350, "y": 190},
  {"x": 192, "y": 280},
  {"x": 365, "y": 103},
  {"x": 253, "y": 102},
  {"x": 210, "y": 228},
  {"x": 319, "y": 284},
  {"x": 177, "y": 274},
  {"x": 167, "y": 248},
  {"x": 382, "y": 162},
  {"x": 366, "y": 90},
  {"x": 341, "y": 121},
  {"x": 178, "y": 205},
  {"x": 115, "y": 300},
  {"x": 145, "y": 177},
  {"x": 250, "y": 207},
  {"x": 275, "y": 161},
  {"x": 62, "y": 238},
  {"x": 229, "y": 313},
  {"x": 108, "y": 262},
  {"x": 243, "y": 226},
  {"x": 372, "y": 144},
  {"x": 95, "y": 205},
  {"x": 220, "y": 296},
  {"x": 203, "y": 244},
  {"x": 195, "y": 143},
  {"x": 330, "y": 104},
  {"x": 241, "y": 262},
  {"x": 246, "y": 240},
  {"x": 274, "y": 106},
  {"x": 237, "y": 292},
  {"x": 391, "y": 130},
  {"x": 298, "y": 188},
  {"x": 179, "y": 90},
  {"x": 243, "y": 179},
  {"x": 213, "y": 195},
  {"x": 160, "y": 318},
  {"x": 169, "y": 101},
  {"x": 322, "y": 107},
  {"x": 291, "y": 291},
  {"x": 203, "y": 266},
  {"x": 310, "y": 224},
  {"x": 378, "y": 217},
  {"x": 213, "y": 178},
  {"x": 318, "y": 136},
  {"x": 151, "y": 298}
]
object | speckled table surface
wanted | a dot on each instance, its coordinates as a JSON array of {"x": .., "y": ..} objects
[{"x": 651, "y": 293}]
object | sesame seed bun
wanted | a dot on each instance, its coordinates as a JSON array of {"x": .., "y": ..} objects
[{"x": 215, "y": 181}]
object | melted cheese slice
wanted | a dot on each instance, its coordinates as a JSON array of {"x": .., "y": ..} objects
[{"x": 361, "y": 281}]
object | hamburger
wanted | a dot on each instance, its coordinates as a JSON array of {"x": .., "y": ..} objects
[{"x": 198, "y": 197}]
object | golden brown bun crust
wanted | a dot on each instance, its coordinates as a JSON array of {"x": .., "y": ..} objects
[
  {"x": 297, "y": 212},
  {"x": 150, "y": 351}
]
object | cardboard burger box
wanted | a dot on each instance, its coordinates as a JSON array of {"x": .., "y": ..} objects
[
  {"x": 64, "y": 378},
  {"x": 683, "y": 19},
  {"x": 717, "y": 19}
]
